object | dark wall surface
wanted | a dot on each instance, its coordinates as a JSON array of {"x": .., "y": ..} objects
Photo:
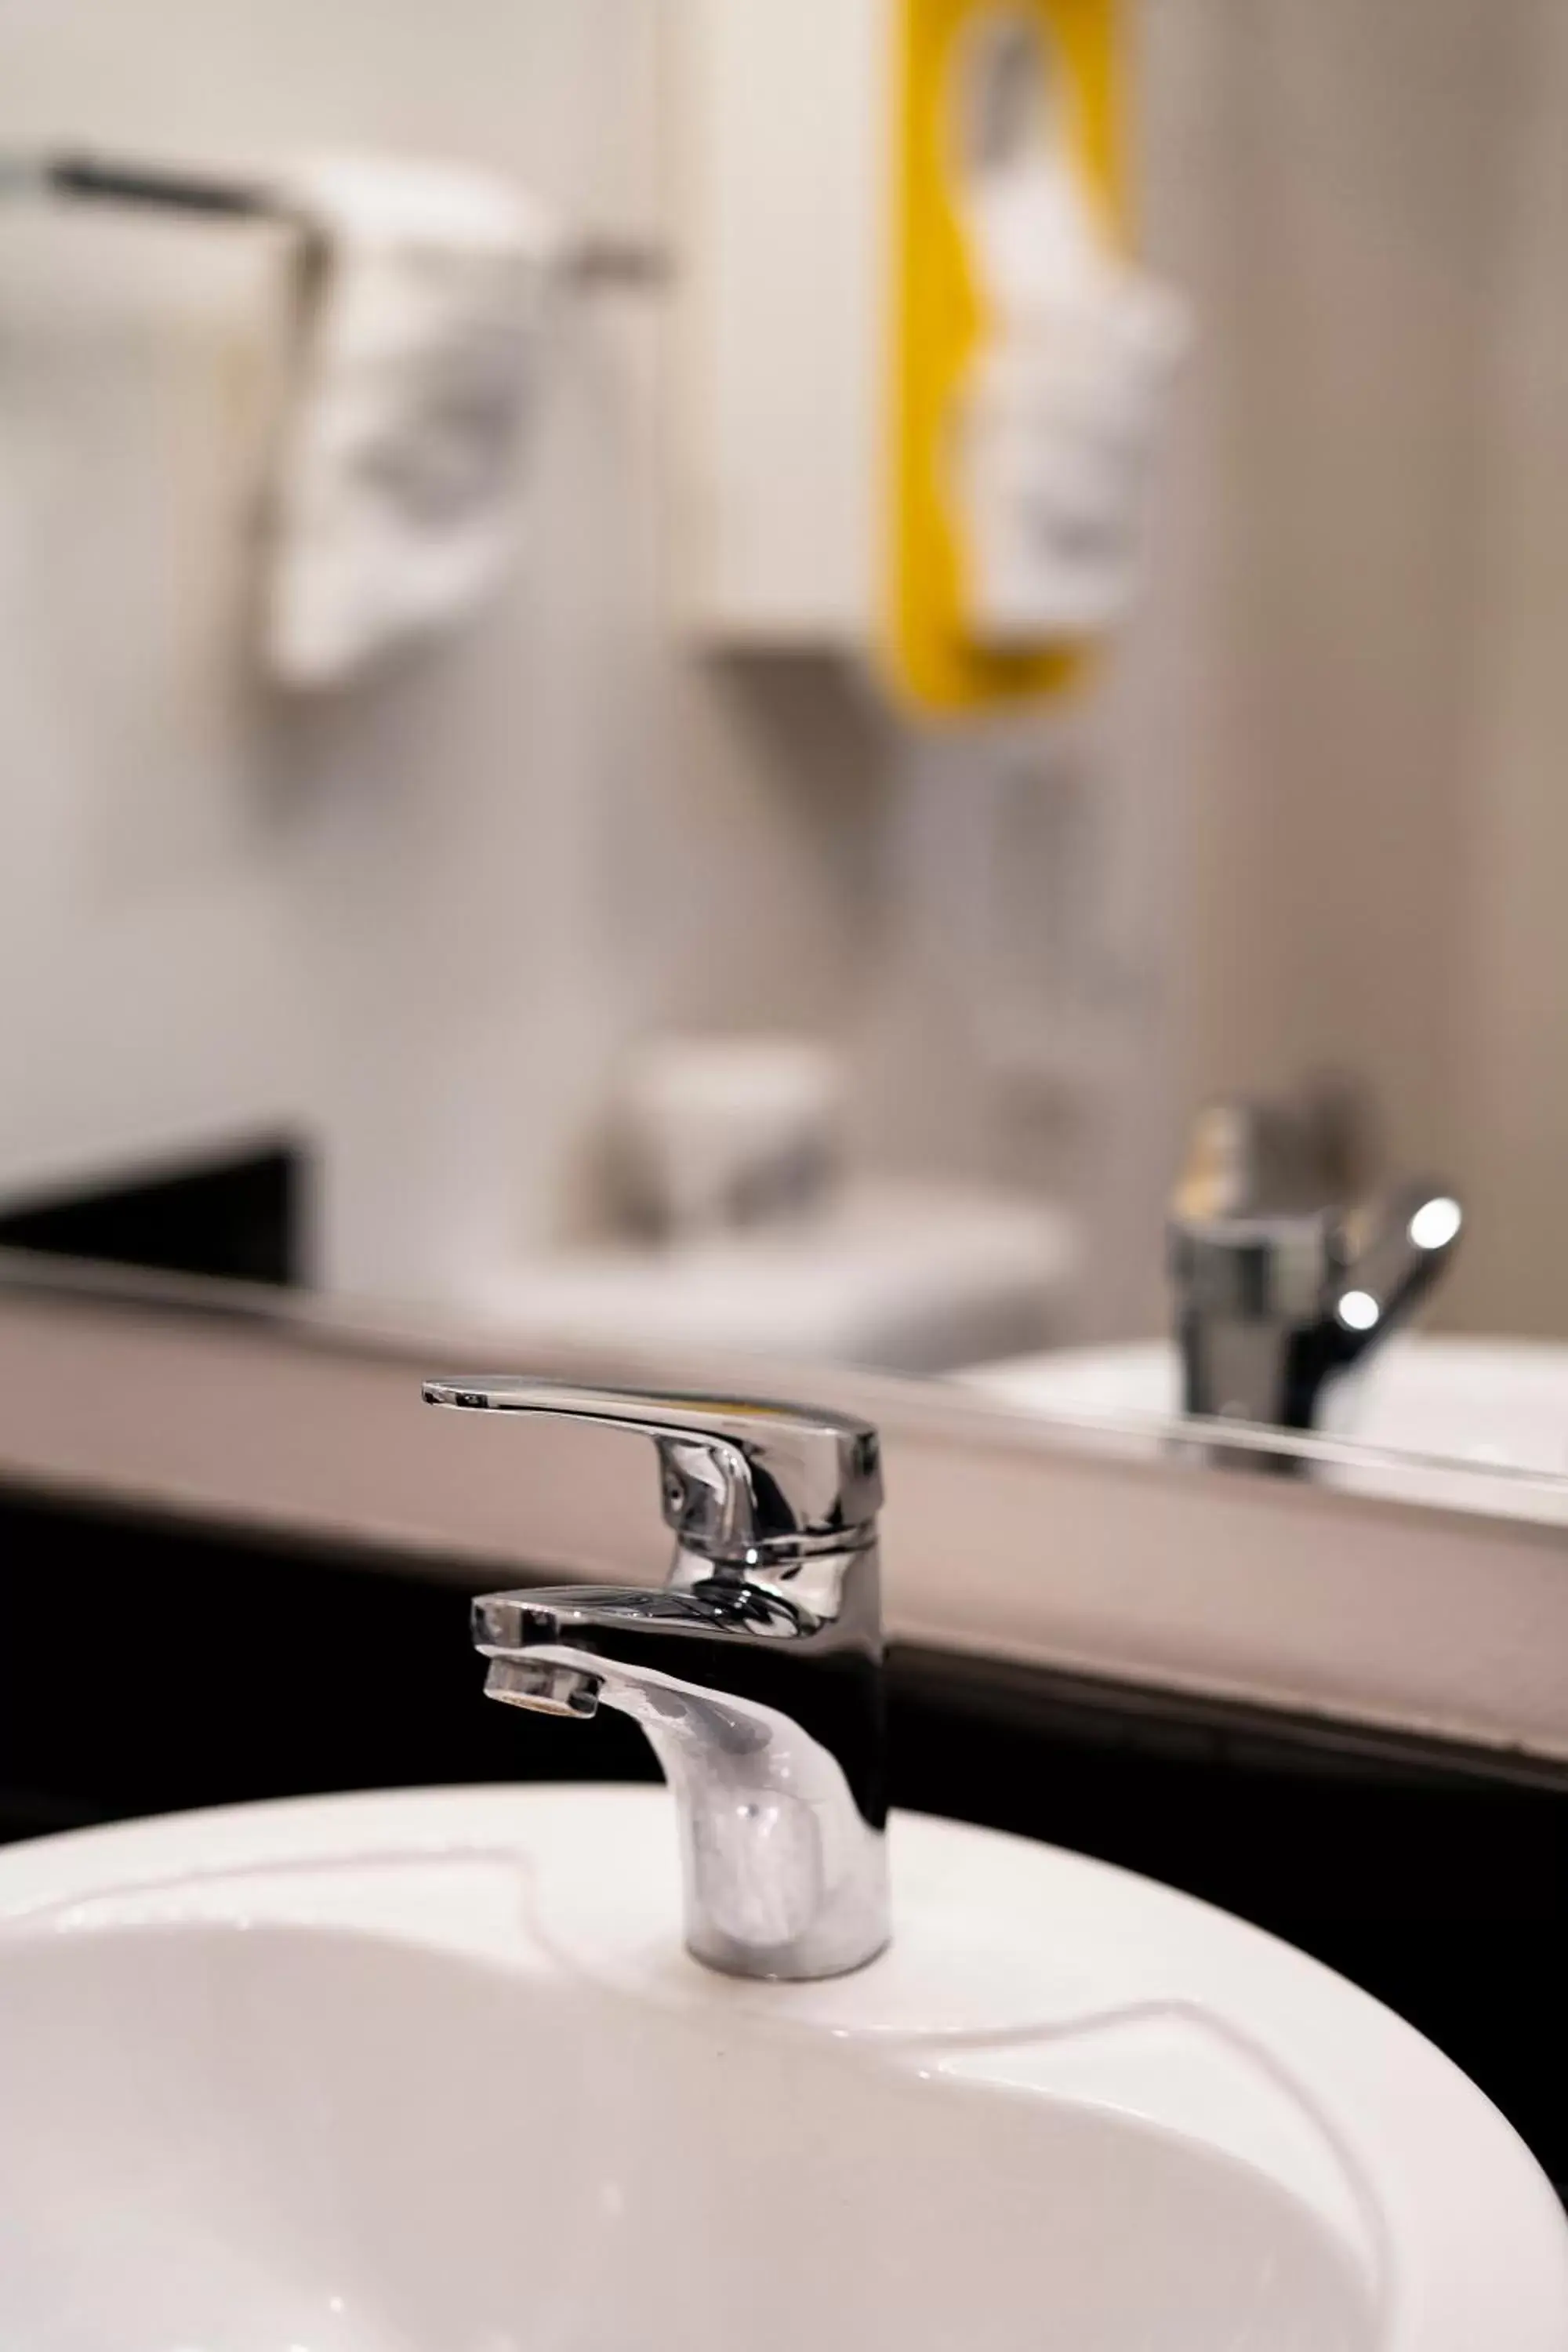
[{"x": 147, "y": 1665}]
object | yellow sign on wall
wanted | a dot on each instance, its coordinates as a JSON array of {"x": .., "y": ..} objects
[{"x": 1008, "y": 182}]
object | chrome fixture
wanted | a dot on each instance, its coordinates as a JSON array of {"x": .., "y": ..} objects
[
  {"x": 1278, "y": 1287},
  {"x": 755, "y": 1670}
]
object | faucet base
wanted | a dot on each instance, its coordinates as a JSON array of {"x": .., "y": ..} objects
[{"x": 784, "y": 1877}]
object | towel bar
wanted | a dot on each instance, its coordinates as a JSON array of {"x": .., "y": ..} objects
[{"x": 101, "y": 179}]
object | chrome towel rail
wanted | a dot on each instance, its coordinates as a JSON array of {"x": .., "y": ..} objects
[{"x": 77, "y": 175}]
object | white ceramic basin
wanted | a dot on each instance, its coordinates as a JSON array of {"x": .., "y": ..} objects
[
  {"x": 429, "y": 2072},
  {"x": 1493, "y": 1402}
]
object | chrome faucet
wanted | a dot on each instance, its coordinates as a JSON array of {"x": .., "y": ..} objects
[
  {"x": 755, "y": 1670},
  {"x": 1278, "y": 1287}
]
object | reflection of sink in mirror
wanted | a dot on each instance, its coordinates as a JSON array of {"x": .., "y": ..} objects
[
  {"x": 909, "y": 1277},
  {"x": 428, "y": 2070},
  {"x": 1489, "y": 1402}
]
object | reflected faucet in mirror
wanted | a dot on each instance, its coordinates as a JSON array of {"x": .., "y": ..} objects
[{"x": 1279, "y": 1287}]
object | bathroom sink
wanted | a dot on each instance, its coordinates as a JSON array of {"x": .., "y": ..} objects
[
  {"x": 1492, "y": 1403},
  {"x": 429, "y": 2072}
]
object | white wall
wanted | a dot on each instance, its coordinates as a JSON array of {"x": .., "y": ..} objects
[
  {"x": 422, "y": 917},
  {"x": 1308, "y": 817},
  {"x": 383, "y": 916}
]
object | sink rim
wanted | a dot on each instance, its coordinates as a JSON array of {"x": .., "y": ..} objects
[{"x": 1469, "y": 2243}]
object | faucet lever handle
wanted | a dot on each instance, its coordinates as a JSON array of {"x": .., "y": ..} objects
[
  {"x": 1395, "y": 1249},
  {"x": 744, "y": 1483}
]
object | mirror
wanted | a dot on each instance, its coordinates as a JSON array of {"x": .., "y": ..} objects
[{"x": 561, "y": 920}]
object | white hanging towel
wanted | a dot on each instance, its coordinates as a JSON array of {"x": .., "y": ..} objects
[
  {"x": 427, "y": 295},
  {"x": 1059, "y": 418}
]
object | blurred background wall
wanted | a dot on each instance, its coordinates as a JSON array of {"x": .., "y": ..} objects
[
  {"x": 417, "y": 921},
  {"x": 1308, "y": 815},
  {"x": 1369, "y": 207},
  {"x": 387, "y": 918}
]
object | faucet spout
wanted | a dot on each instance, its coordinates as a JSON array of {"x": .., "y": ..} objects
[{"x": 774, "y": 1762}]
